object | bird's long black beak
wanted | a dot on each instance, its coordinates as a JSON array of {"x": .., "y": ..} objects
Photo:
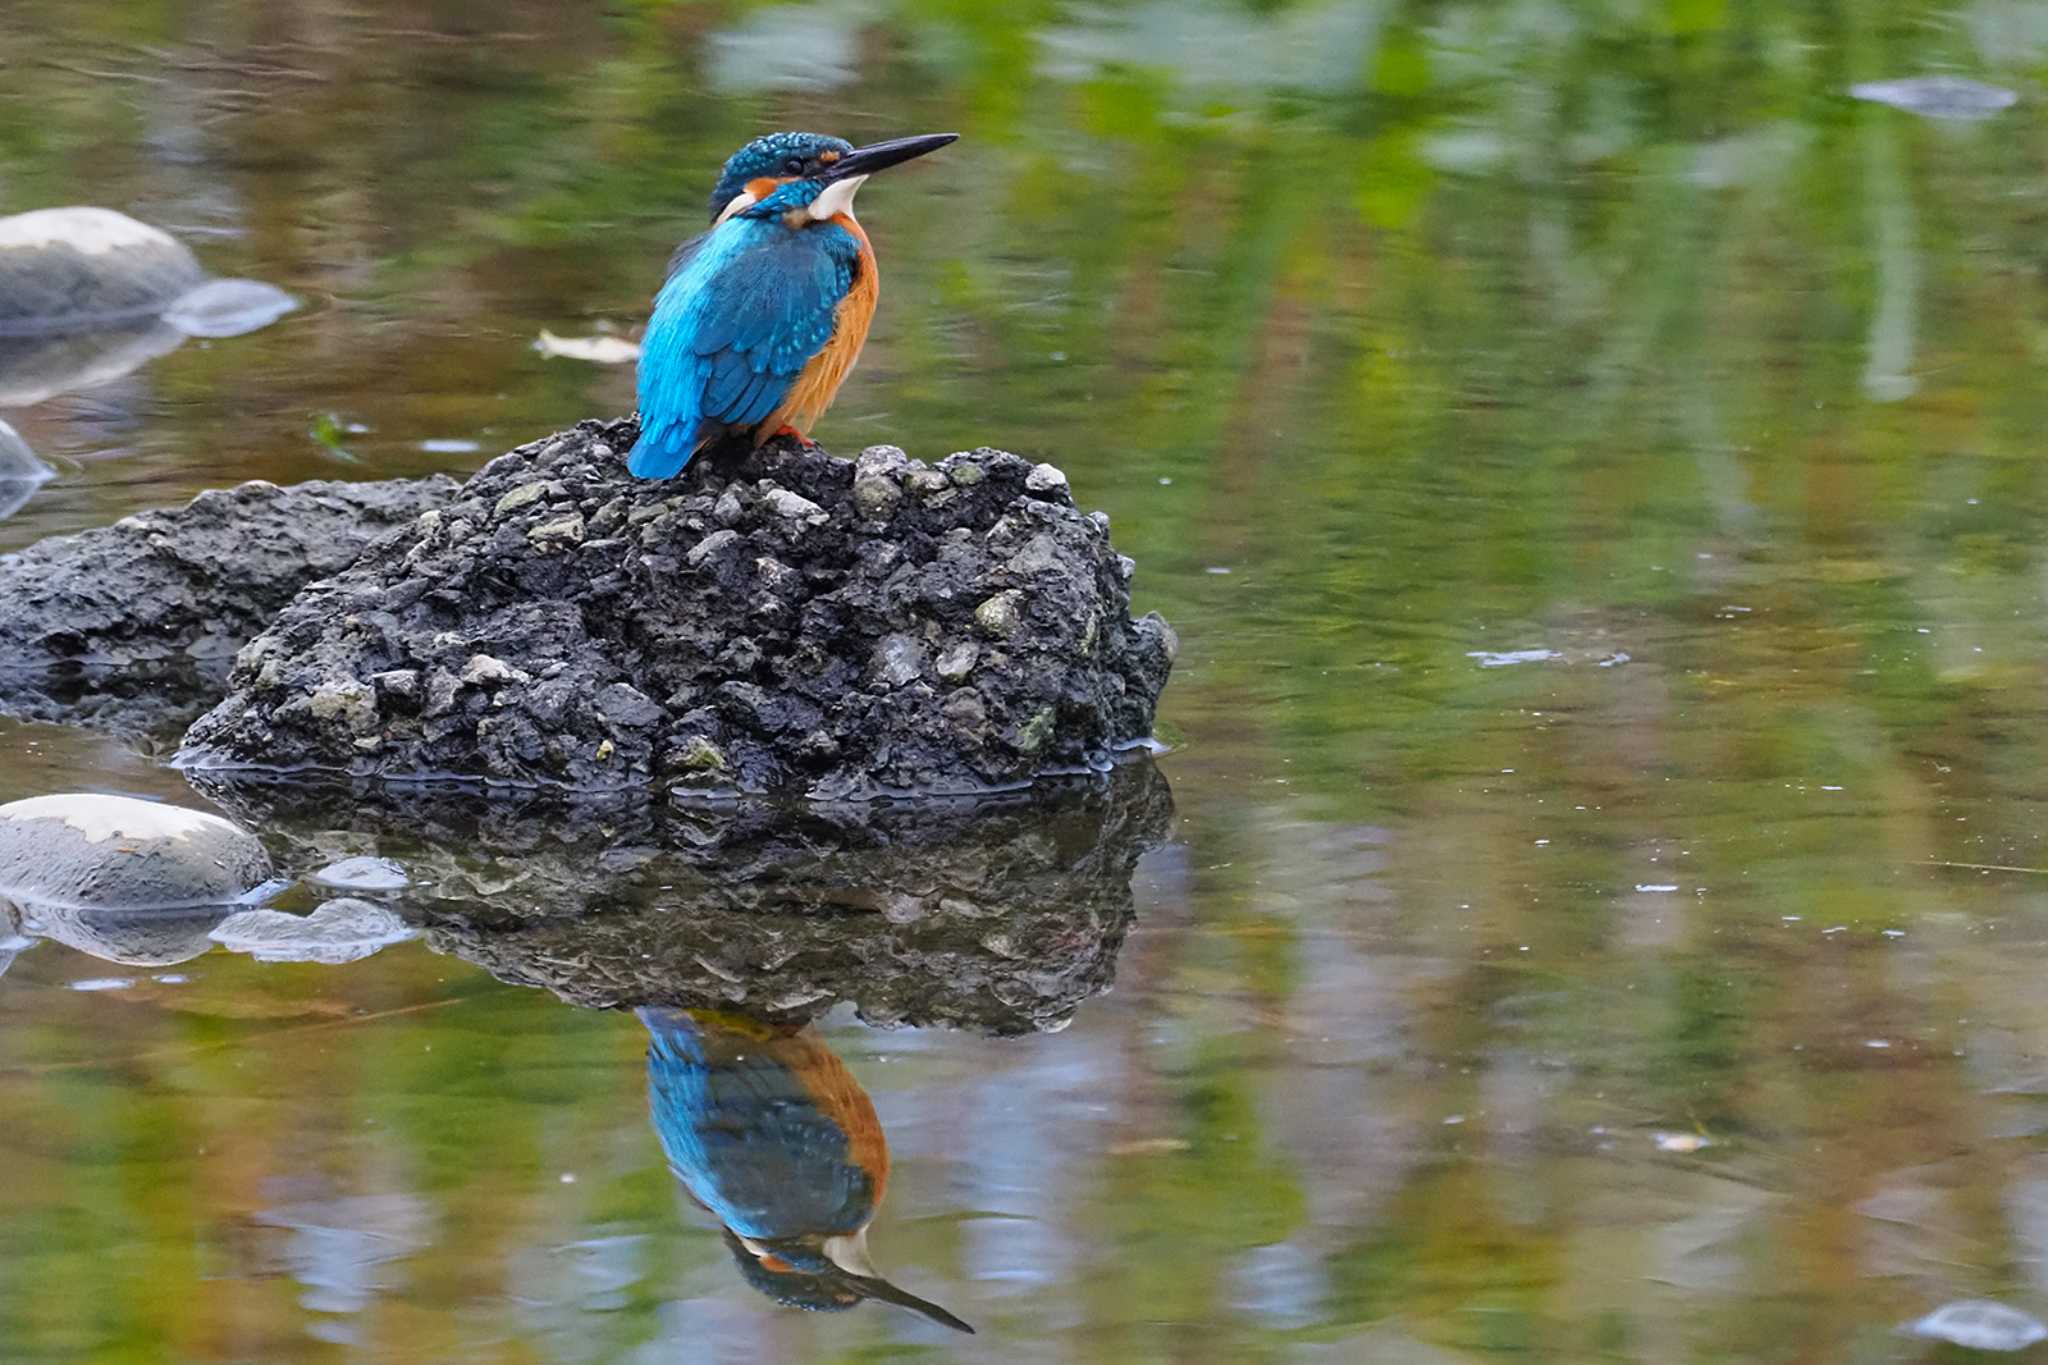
[
  {"x": 874, "y": 1287},
  {"x": 879, "y": 156}
]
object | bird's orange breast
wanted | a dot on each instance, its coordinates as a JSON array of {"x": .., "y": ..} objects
[{"x": 817, "y": 384}]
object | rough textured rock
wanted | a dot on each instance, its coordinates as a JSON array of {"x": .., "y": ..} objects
[
  {"x": 92, "y": 851},
  {"x": 192, "y": 582},
  {"x": 1000, "y": 915},
  {"x": 774, "y": 620}
]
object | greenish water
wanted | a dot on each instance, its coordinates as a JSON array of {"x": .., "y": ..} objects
[{"x": 1594, "y": 466}]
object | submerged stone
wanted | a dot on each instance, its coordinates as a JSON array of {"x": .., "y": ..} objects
[
  {"x": 91, "y": 851},
  {"x": 88, "y": 294},
  {"x": 72, "y": 269},
  {"x": 757, "y": 625},
  {"x": 363, "y": 874},
  {"x": 343, "y": 930}
]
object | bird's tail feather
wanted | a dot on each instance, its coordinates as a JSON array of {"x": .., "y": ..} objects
[{"x": 661, "y": 452}]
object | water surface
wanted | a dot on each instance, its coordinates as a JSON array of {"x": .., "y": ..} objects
[{"x": 1594, "y": 466}]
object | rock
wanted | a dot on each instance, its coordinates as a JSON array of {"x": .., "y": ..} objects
[
  {"x": 229, "y": 308},
  {"x": 76, "y": 269},
  {"x": 193, "y": 582},
  {"x": 363, "y": 874},
  {"x": 88, "y": 294},
  {"x": 99, "y": 852},
  {"x": 1000, "y": 915},
  {"x": 776, "y": 624},
  {"x": 345, "y": 930}
]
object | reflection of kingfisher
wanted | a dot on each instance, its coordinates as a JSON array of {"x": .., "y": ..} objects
[
  {"x": 763, "y": 316},
  {"x": 771, "y": 1133}
]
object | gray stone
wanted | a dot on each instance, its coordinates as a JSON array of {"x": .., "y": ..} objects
[
  {"x": 88, "y": 294},
  {"x": 73, "y": 269},
  {"x": 1046, "y": 479},
  {"x": 363, "y": 874},
  {"x": 85, "y": 850},
  {"x": 898, "y": 660},
  {"x": 788, "y": 648},
  {"x": 343, "y": 930},
  {"x": 192, "y": 582}
]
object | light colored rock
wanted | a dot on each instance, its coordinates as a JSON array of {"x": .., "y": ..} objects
[
  {"x": 564, "y": 529},
  {"x": 1044, "y": 478},
  {"x": 523, "y": 496},
  {"x": 87, "y": 850},
  {"x": 229, "y": 308},
  {"x": 793, "y": 506},
  {"x": 484, "y": 671},
  {"x": 363, "y": 874},
  {"x": 343, "y": 930}
]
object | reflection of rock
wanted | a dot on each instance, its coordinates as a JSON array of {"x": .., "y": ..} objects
[
  {"x": 343, "y": 930},
  {"x": 191, "y": 582},
  {"x": 772, "y": 620},
  {"x": 771, "y": 1134},
  {"x": 140, "y": 938},
  {"x": 118, "y": 853},
  {"x": 87, "y": 294},
  {"x": 996, "y": 916},
  {"x": 36, "y": 368},
  {"x": 148, "y": 704}
]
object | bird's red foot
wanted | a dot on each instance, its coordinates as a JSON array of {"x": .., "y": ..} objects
[{"x": 793, "y": 434}]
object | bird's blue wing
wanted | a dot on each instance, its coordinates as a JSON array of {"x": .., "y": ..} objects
[
  {"x": 743, "y": 311},
  {"x": 743, "y": 1129}
]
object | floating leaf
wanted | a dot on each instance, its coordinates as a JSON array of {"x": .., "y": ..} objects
[
  {"x": 1946, "y": 97},
  {"x": 598, "y": 350}
]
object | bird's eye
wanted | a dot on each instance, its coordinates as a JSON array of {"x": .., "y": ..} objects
[{"x": 794, "y": 165}]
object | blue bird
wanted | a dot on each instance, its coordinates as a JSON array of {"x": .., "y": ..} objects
[
  {"x": 770, "y": 1132},
  {"x": 762, "y": 318}
]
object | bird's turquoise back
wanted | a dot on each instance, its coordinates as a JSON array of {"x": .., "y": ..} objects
[
  {"x": 749, "y": 1126},
  {"x": 742, "y": 313}
]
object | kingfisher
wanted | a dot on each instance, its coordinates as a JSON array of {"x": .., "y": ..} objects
[
  {"x": 763, "y": 316},
  {"x": 769, "y": 1132}
]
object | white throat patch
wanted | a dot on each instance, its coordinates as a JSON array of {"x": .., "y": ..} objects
[{"x": 837, "y": 199}]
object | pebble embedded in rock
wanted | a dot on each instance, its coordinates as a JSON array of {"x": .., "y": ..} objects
[
  {"x": 92, "y": 851},
  {"x": 363, "y": 874}
]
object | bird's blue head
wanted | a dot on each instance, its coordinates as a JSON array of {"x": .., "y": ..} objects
[{"x": 763, "y": 166}]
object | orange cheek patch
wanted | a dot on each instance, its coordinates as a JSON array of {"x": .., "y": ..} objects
[{"x": 764, "y": 186}]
